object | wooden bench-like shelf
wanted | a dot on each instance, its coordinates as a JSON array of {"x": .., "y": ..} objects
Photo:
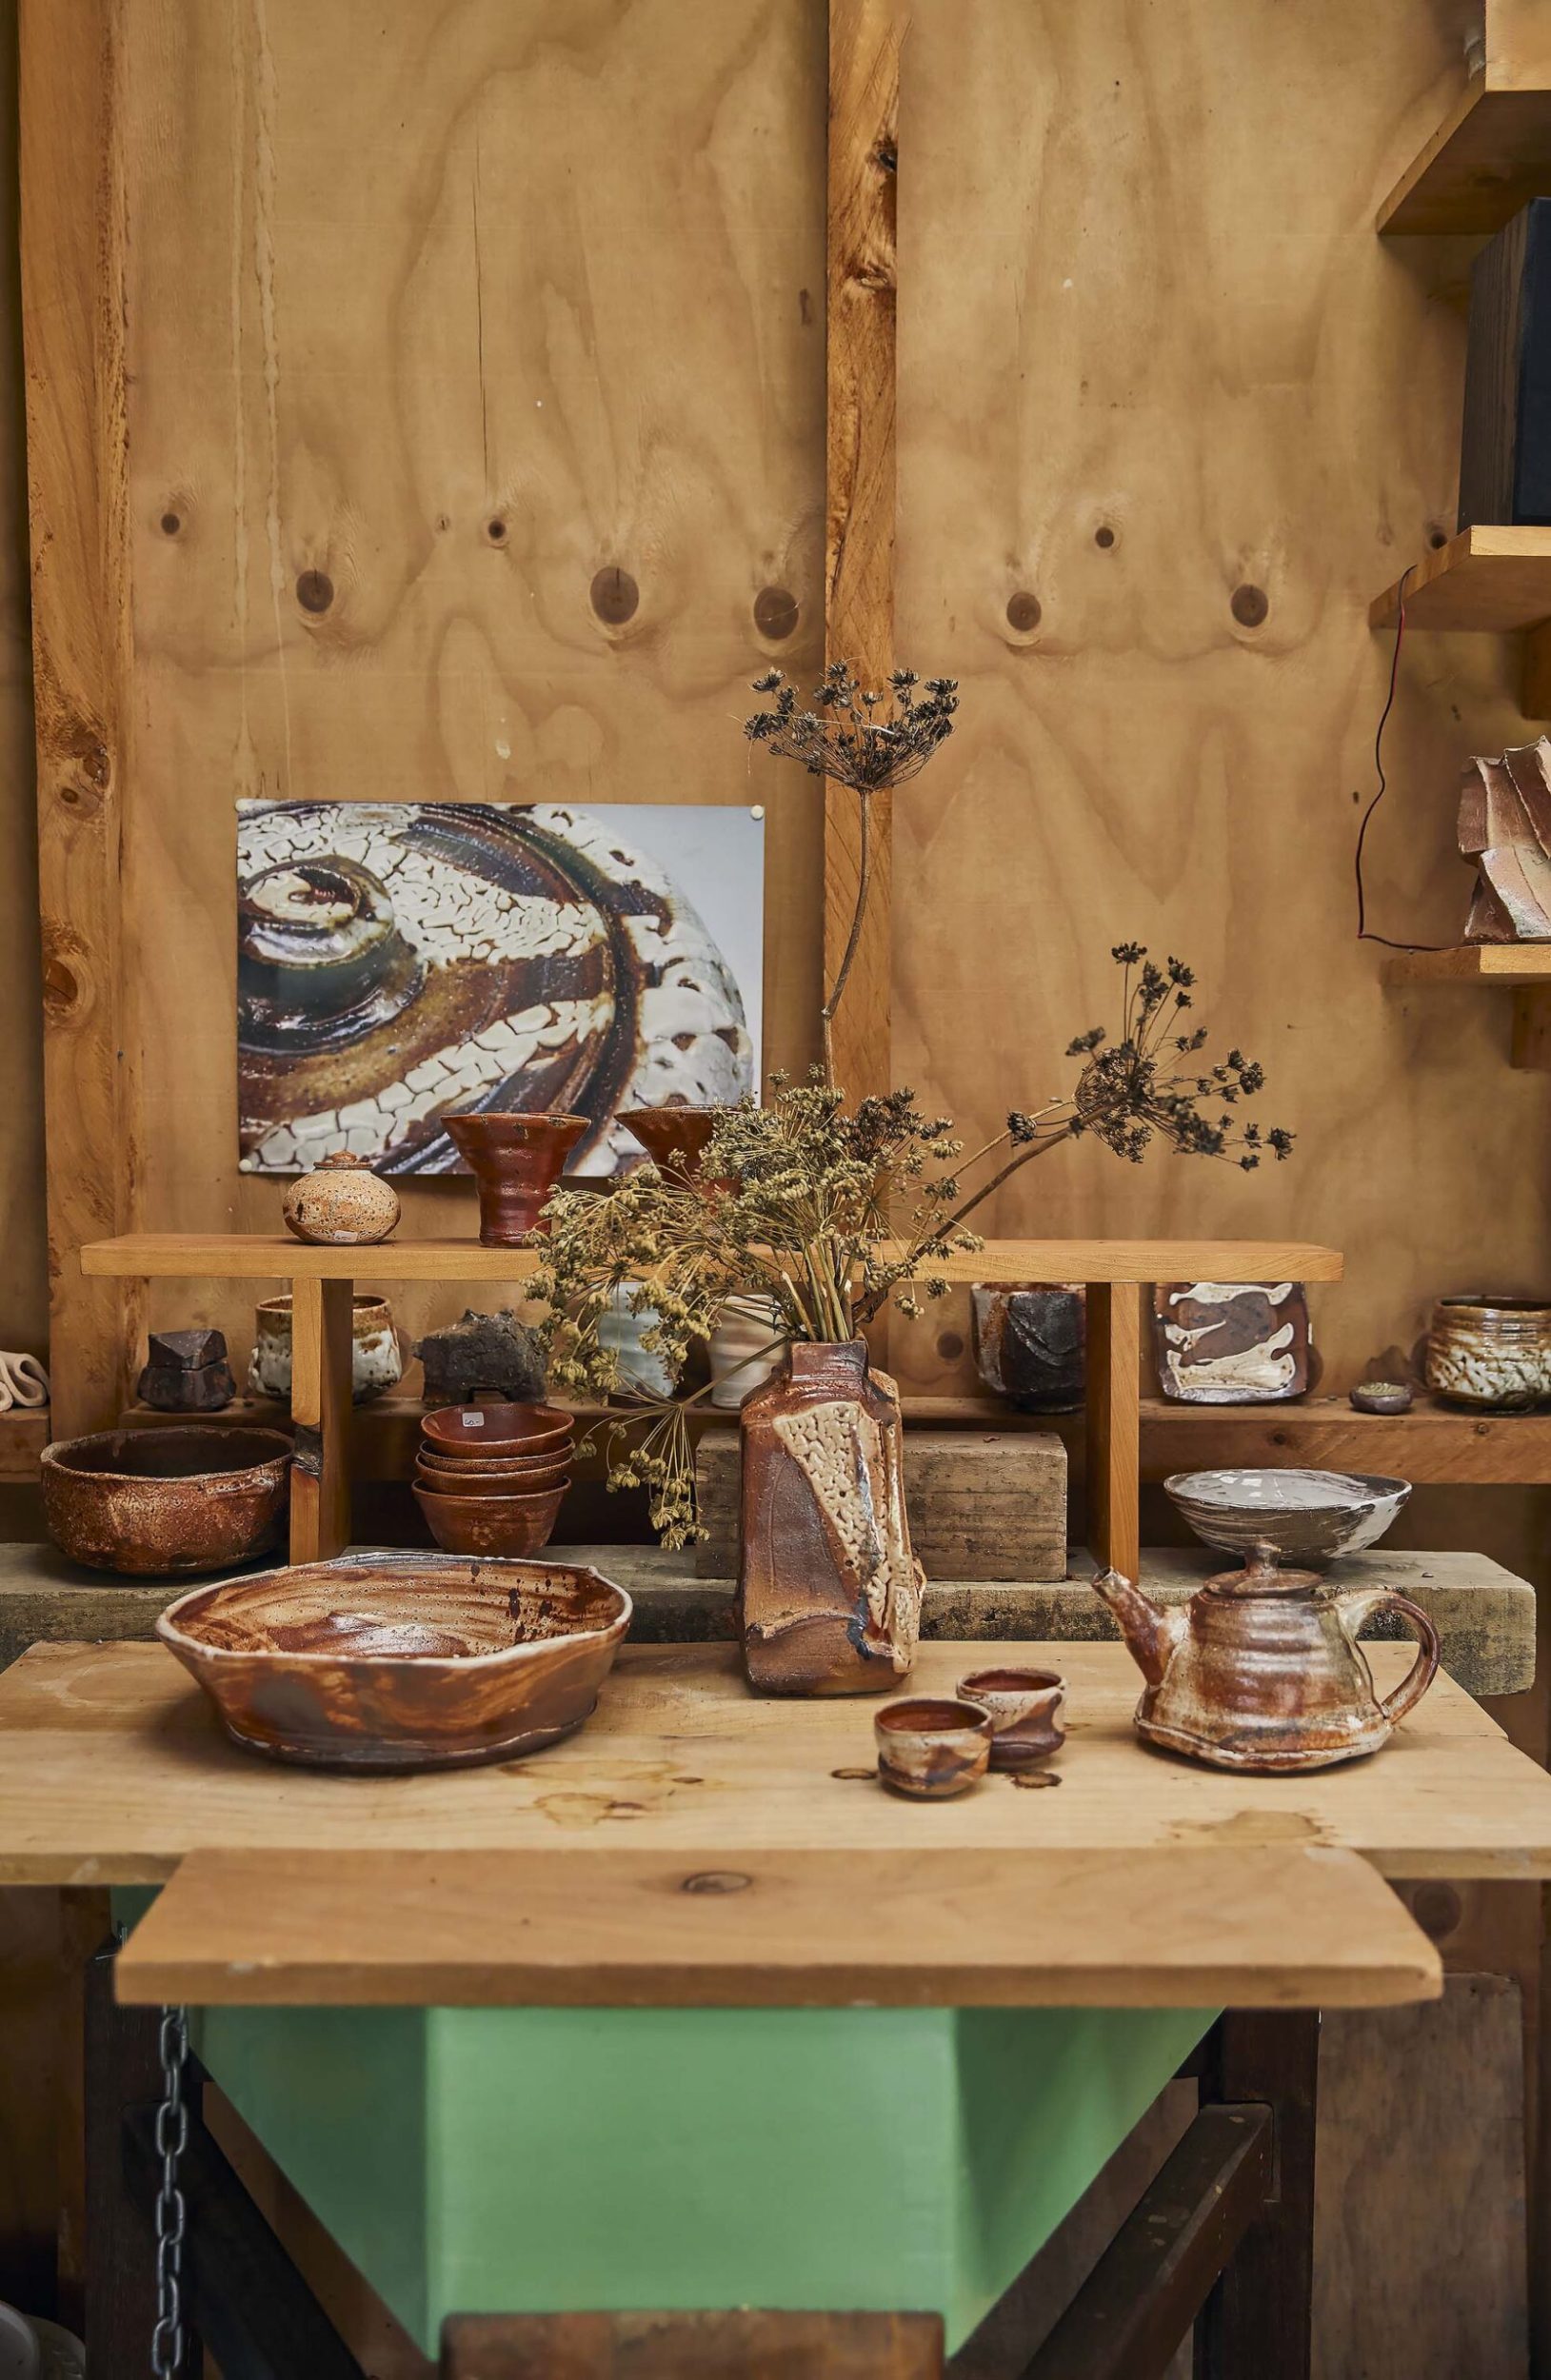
[
  {"x": 1114, "y": 1271},
  {"x": 1490, "y": 155},
  {"x": 1487, "y": 580},
  {"x": 1507, "y": 964}
]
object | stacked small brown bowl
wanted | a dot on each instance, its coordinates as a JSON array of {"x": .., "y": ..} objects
[{"x": 490, "y": 1478}]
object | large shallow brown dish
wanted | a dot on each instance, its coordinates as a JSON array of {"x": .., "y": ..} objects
[
  {"x": 401, "y": 1660},
  {"x": 153, "y": 1502}
]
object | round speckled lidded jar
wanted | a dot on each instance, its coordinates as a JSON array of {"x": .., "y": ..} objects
[
  {"x": 341, "y": 1204},
  {"x": 1494, "y": 1352}
]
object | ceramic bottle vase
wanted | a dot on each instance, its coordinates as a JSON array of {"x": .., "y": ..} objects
[{"x": 830, "y": 1590}]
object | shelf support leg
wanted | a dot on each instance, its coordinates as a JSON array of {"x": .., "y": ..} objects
[
  {"x": 319, "y": 1402},
  {"x": 1114, "y": 1424}
]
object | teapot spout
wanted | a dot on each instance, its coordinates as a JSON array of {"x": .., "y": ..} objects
[{"x": 1151, "y": 1631}]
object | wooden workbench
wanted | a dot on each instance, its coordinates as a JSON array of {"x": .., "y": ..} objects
[{"x": 604, "y": 1978}]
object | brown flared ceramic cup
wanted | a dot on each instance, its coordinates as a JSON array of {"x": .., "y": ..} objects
[
  {"x": 932, "y": 1748},
  {"x": 485, "y": 1431},
  {"x": 675, "y": 1140},
  {"x": 1025, "y": 1706},
  {"x": 516, "y": 1161},
  {"x": 494, "y": 1526}
]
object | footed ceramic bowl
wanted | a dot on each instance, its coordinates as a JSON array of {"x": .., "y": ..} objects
[
  {"x": 401, "y": 1660},
  {"x": 1294, "y": 1516}
]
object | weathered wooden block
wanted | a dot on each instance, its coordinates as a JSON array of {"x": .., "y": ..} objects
[{"x": 983, "y": 1503}]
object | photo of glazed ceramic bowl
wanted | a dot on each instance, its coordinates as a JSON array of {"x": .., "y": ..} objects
[{"x": 394, "y": 1661}]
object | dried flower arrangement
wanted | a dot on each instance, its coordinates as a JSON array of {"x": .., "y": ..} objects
[{"x": 832, "y": 1214}]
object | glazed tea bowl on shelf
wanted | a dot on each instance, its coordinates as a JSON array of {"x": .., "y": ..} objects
[
  {"x": 932, "y": 1747},
  {"x": 1290, "y": 1515},
  {"x": 1025, "y": 1706},
  {"x": 483, "y": 1431},
  {"x": 394, "y": 1661},
  {"x": 516, "y": 1161},
  {"x": 1491, "y": 1352},
  {"x": 152, "y": 1503},
  {"x": 675, "y": 1139},
  {"x": 478, "y": 1479},
  {"x": 376, "y": 1355},
  {"x": 490, "y": 1525}
]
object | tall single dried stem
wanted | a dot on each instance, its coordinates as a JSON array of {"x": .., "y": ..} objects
[{"x": 864, "y": 881}]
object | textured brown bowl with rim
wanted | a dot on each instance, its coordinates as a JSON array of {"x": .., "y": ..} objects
[
  {"x": 490, "y": 1527},
  {"x": 401, "y": 1660},
  {"x": 517, "y": 1468},
  {"x": 555, "y": 1475},
  {"x": 485, "y": 1430},
  {"x": 154, "y": 1503}
]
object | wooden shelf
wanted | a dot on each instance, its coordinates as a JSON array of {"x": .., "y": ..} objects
[
  {"x": 249, "y": 1256},
  {"x": 23, "y": 1436},
  {"x": 1488, "y": 579},
  {"x": 1491, "y": 153},
  {"x": 1506, "y": 964}
]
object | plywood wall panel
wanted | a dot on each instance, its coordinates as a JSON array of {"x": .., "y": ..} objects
[
  {"x": 1157, "y": 372},
  {"x": 454, "y": 308}
]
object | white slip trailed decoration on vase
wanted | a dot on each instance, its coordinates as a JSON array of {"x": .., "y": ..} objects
[{"x": 840, "y": 1450}]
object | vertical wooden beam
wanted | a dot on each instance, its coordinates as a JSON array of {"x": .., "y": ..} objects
[
  {"x": 865, "y": 38},
  {"x": 1114, "y": 1424},
  {"x": 1535, "y": 672},
  {"x": 319, "y": 1402},
  {"x": 74, "y": 272}
]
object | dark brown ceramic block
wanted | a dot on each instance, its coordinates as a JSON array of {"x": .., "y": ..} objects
[
  {"x": 932, "y": 1748},
  {"x": 1031, "y": 1342},
  {"x": 156, "y": 1502},
  {"x": 401, "y": 1660},
  {"x": 1025, "y": 1706},
  {"x": 490, "y": 1526},
  {"x": 490, "y": 1355},
  {"x": 1232, "y": 1343},
  {"x": 516, "y": 1161},
  {"x": 483, "y": 1429},
  {"x": 187, "y": 1372}
]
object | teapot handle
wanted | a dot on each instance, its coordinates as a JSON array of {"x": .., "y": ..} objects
[{"x": 1424, "y": 1668}]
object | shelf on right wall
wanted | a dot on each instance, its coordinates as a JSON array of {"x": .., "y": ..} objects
[{"x": 1492, "y": 151}]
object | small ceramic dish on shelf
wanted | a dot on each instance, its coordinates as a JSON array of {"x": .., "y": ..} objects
[
  {"x": 1288, "y": 1516},
  {"x": 391, "y": 1660},
  {"x": 486, "y": 1429}
]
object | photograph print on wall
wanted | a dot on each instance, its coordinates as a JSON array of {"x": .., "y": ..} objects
[{"x": 398, "y": 960}]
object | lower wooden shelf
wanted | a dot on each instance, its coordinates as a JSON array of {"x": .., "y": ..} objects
[{"x": 1434, "y": 1443}]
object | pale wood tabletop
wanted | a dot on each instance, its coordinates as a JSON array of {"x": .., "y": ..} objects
[{"x": 112, "y": 1767}]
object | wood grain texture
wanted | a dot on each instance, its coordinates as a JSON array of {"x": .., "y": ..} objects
[
  {"x": 1280, "y": 1927},
  {"x": 1487, "y": 580},
  {"x": 400, "y": 315},
  {"x": 74, "y": 273},
  {"x": 865, "y": 38},
  {"x": 270, "y": 1255},
  {"x": 1140, "y": 758},
  {"x": 1489, "y": 148},
  {"x": 748, "y": 2344},
  {"x": 1422, "y": 2108},
  {"x": 24, "y": 1252},
  {"x": 112, "y": 1768},
  {"x": 321, "y": 1411},
  {"x": 983, "y": 1505},
  {"x": 1472, "y": 963},
  {"x": 1114, "y": 1424}
]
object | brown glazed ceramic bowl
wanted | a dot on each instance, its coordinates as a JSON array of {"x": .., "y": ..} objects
[
  {"x": 1025, "y": 1706},
  {"x": 932, "y": 1748},
  {"x": 459, "y": 1481},
  {"x": 401, "y": 1660},
  {"x": 486, "y": 1429},
  {"x": 675, "y": 1139},
  {"x": 490, "y": 1526},
  {"x": 147, "y": 1502},
  {"x": 518, "y": 1469}
]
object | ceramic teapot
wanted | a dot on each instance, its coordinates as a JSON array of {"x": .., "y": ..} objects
[{"x": 1261, "y": 1669}]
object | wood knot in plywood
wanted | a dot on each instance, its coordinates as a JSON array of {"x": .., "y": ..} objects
[{"x": 62, "y": 973}]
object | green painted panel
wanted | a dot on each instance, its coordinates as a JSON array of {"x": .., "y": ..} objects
[
  {"x": 338, "y": 2097},
  {"x": 483, "y": 2160}
]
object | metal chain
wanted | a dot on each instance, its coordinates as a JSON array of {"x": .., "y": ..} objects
[{"x": 167, "y": 2340}]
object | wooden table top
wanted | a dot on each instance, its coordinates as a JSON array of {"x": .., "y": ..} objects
[{"x": 579, "y": 1874}]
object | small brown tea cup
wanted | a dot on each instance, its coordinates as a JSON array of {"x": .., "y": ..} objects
[
  {"x": 931, "y": 1748},
  {"x": 1025, "y": 1706}
]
